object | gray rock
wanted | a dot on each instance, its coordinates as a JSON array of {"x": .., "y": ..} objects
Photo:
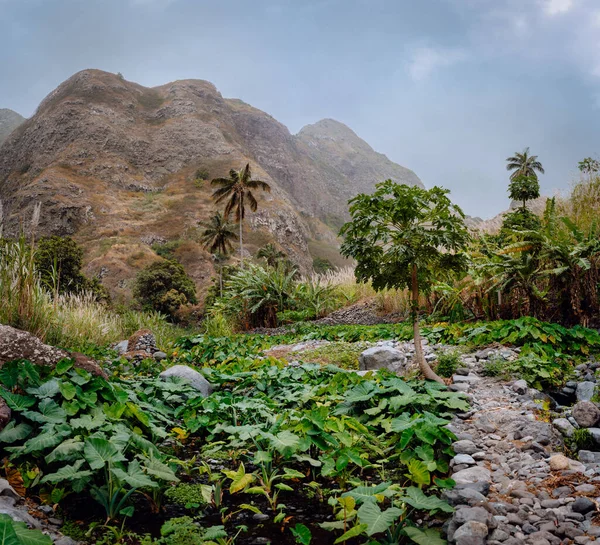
[
  {"x": 589, "y": 457},
  {"x": 564, "y": 426},
  {"x": 585, "y": 391},
  {"x": 195, "y": 379},
  {"x": 465, "y": 459},
  {"x": 464, "y": 447},
  {"x": 65, "y": 540},
  {"x": 595, "y": 433},
  {"x": 585, "y": 413},
  {"x": 159, "y": 355},
  {"x": 583, "y": 505},
  {"x": 472, "y": 475},
  {"x": 520, "y": 387},
  {"x": 382, "y": 357},
  {"x": 468, "y": 379},
  {"x": 7, "y": 490},
  {"x": 471, "y": 528},
  {"x": 121, "y": 347}
]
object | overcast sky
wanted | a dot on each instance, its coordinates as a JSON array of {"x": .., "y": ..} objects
[{"x": 448, "y": 88}]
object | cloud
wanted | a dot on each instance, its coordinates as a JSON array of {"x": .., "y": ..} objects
[
  {"x": 425, "y": 60},
  {"x": 557, "y": 7}
]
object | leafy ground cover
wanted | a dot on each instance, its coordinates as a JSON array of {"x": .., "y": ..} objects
[
  {"x": 309, "y": 453},
  {"x": 291, "y": 453}
]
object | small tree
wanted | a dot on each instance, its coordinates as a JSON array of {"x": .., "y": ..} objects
[
  {"x": 589, "y": 166},
  {"x": 524, "y": 188},
  {"x": 406, "y": 237},
  {"x": 164, "y": 286}
]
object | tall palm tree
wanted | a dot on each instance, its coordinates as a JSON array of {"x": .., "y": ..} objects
[
  {"x": 523, "y": 164},
  {"x": 218, "y": 234},
  {"x": 270, "y": 254},
  {"x": 237, "y": 191}
]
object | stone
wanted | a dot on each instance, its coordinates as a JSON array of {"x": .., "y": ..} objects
[
  {"x": 195, "y": 379},
  {"x": 585, "y": 413},
  {"x": 558, "y": 462},
  {"x": 564, "y": 426},
  {"x": 468, "y": 379},
  {"x": 159, "y": 355},
  {"x": 471, "y": 528},
  {"x": 16, "y": 345},
  {"x": 143, "y": 339},
  {"x": 585, "y": 391},
  {"x": 520, "y": 387},
  {"x": 382, "y": 357},
  {"x": 465, "y": 446},
  {"x": 472, "y": 475},
  {"x": 589, "y": 457},
  {"x": 465, "y": 514},
  {"x": 465, "y": 459},
  {"x": 7, "y": 491},
  {"x": 121, "y": 347},
  {"x": 583, "y": 505}
]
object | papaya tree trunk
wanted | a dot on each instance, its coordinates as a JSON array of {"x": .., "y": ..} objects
[{"x": 426, "y": 370}]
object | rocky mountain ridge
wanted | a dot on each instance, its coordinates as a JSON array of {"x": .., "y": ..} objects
[
  {"x": 116, "y": 165},
  {"x": 9, "y": 121}
]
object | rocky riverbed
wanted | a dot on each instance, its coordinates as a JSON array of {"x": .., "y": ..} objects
[{"x": 514, "y": 485}]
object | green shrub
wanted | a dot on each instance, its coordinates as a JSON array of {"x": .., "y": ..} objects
[
  {"x": 582, "y": 440},
  {"x": 167, "y": 250},
  {"x": 59, "y": 261},
  {"x": 216, "y": 324},
  {"x": 494, "y": 367},
  {"x": 191, "y": 496},
  {"x": 448, "y": 363},
  {"x": 321, "y": 265},
  {"x": 164, "y": 286}
]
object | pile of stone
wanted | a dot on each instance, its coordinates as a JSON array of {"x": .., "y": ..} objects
[{"x": 140, "y": 346}]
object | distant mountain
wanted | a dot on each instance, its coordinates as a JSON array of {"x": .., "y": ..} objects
[
  {"x": 9, "y": 121},
  {"x": 115, "y": 164}
]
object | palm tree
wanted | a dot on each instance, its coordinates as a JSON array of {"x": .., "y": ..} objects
[
  {"x": 270, "y": 254},
  {"x": 523, "y": 164},
  {"x": 237, "y": 191},
  {"x": 218, "y": 234}
]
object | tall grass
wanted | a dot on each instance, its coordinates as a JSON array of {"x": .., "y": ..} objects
[
  {"x": 388, "y": 301},
  {"x": 71, "y": 321}
]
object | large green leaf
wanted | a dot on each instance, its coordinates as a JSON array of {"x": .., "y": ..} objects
[
  {"x": 66, "y": 451},
  {"x": 48, "y": 389},
  {"x": 134, "y": 476},
  {"x": 418, "y": 472},
  {"x": 160, "y": 471},
  {"x": 17, "y": 533},
  {"x": 43, "y": 441},
  {"x": 15, "y": 432},
  {"x": 239, "y": 479},
  {"x": 427, "y": 536},
  {"x": 353, "y": 532},
  {"x": 89, "y": 421},
  {"x": 377, "y": 520},
  {"x": 17, "y": 402},
  {"x": 48, "y": 411},
  {"x": 369, "y": 493},
  {"x": 67, "y": 473},
  {"x": 67, "y": 390},
  {"x": 416, "y": 497},
  {"x": 285, "y": 442},
  {"x": 99, "y": 452}
]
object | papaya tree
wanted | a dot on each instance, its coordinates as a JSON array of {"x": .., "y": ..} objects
[{"x": 406, "y": 237}]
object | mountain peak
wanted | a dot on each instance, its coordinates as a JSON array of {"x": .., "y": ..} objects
[{"x": 9, "y": 121}]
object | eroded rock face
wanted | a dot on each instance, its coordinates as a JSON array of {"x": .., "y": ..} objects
[{"x": 16, "y": 344}]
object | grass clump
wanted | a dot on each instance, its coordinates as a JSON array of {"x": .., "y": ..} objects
[
  {"x": 342, "y": 354},
  {"x": 448, "y": 363}
]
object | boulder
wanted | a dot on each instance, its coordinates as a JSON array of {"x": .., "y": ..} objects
[
  {"x": 472, "y": 475},
  {"x": 465, "y": 446},
  {"x": 585, "y": 413},
  {"x": 585, "y": 391},
  {"x": 5, "y": 414},
  {"x": 195, "y": 379},
  {"x": 382, "y": 357},
  {"x": 16, "y": 344},
  {"x": 564, "y": 426},
  {"x": 121, "y": 347},
  {"x": 520, "y": 387}
]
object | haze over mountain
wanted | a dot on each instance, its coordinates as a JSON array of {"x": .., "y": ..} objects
[
  {"x": 9, "y": 121},
  {"x": 114, "y": 164}
]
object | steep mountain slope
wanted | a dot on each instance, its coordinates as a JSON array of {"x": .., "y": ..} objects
[
  {"x": 114, "y": 164},
  {"x": 9, "y": 121}
]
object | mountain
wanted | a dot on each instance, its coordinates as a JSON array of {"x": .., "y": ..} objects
[
  {"x": 9, "y": 121},
  {"x": 115, "y": 165}
]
